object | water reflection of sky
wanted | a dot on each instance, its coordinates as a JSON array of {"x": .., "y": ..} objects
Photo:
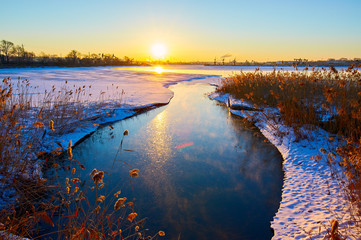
[{"x": 226, "y": 184}]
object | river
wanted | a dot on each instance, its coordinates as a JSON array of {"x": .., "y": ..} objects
[{"x": 204, "y": 174}]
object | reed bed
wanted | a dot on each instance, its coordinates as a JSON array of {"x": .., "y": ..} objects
[
  {"x": 24, "y": 123},
  {"x": 306, "y": 99}
]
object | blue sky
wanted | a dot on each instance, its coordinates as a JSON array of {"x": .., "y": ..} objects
[{"x": 191, "y": 30}]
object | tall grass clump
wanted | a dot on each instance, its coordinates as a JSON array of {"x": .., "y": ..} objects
[
  {"x": 107, "y": 214},
  {"x": 329, "y": 99},
  {"x": 303, "y": 100},
  {"x": 68, "y": 212},
  {"x": 19, "y": 173}
]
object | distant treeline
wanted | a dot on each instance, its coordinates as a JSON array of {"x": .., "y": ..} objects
[
  {"x": 12, "y": 55},
  {"x": 356, "y": 62}
]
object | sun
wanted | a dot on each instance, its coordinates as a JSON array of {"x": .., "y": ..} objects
[{"x": 159, "y": 51}]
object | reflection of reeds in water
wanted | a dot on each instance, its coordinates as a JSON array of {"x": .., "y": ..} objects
[{"x": 258, "y": 159}]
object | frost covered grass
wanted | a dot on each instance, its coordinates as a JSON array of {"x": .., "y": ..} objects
[
  {"x": 301, "y": 103},
  {"x": 30, "y": 128}
]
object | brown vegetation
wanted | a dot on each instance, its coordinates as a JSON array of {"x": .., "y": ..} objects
[
  {"x": 24, "y": 123},
  {"x": 306, "y": 99}
]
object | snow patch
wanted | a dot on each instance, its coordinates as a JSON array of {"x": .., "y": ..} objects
[{"x": 311, "y": 198}]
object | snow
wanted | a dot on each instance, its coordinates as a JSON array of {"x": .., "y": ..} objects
[
  {"x": 310, "y": 197},
  {"x": 10, "y": 236},
  {"x": 103, "y": 83},
  {"x": 143, "y": 89}
]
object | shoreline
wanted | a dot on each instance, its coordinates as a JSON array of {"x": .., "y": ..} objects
[
  {"x": 311, "y": 198},
  {"x": 305, "y": 198}
]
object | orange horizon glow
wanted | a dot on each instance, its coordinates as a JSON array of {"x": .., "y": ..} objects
[{"x": 190, "y": 31}]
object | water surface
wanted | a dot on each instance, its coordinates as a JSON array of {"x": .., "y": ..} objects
[{"x": 203, "y": 173}]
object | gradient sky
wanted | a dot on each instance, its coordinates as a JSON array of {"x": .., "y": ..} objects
[{"x": 192, "y": 30}]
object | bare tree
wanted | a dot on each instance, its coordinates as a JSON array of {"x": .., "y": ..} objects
[
  {"x": 128, "y": 60},
  {"x": 6, "y": 48},
  {"x": 18, "y": 51},
  {"x": 73, "y": 55}
]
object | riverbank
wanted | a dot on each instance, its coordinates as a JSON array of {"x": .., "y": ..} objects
[
  {"x": 311, "y": 197},
  {"x": 94, "y": 93},
  {"x": 308, "y": 188}
]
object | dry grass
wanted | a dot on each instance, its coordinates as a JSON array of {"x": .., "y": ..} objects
[
  {"x": 24, "y": 124},
  {"x": 329, "y": 99},
  {"x": 304, "y": 99}
]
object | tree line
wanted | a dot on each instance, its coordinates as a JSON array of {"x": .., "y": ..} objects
[{"x": 12, "y": 55}]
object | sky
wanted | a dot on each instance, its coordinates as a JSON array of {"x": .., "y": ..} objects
[{"x": 191, "y": 30}]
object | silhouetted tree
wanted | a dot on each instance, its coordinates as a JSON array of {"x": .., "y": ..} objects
[
  {"x": 73, "y": 56},
  {"x": 128, "y": 60},
  {"x": 5, "y": 47},
  {"x": 19, "y": 52}
]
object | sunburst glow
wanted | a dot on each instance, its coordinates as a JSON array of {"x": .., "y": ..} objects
[
  {"x": 158, "y": 70},
  {"x": 159, "y": 51}
]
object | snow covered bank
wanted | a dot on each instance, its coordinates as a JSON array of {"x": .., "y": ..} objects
[
  {"x": 311, "y": 198},
  {"x": 305, "y": 199},
  {"x": 123, "y": 92}
]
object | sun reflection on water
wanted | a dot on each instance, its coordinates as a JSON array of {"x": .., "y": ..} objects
[
  {"x": 159, "y": 139},
  {"x": 158, "y": 70},
  {"x": 157, "y": 174}
]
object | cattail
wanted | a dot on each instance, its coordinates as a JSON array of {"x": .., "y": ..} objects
[
  {"x": 73, "y": 171},
  {"x": 101, "y": 198},
  {"x": 96, "y": 210},
  {"x": 70, "y": 151},
  {"x": 98, "y": 177},
  {"x": 93, "y": 172},
  {"x": 116, "y": 194},
  {"x": 67, "y": 181},
  {"x": 119, "y": 203},
  {"x": 75, "y": 180},
  {"x": 323, "y": 151},
  {"x": 38, "y": 124},
  {"x": 52, "y": 125},
  {"x": 134, "y": 173},
  {"x": 131, "y": 216}
]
